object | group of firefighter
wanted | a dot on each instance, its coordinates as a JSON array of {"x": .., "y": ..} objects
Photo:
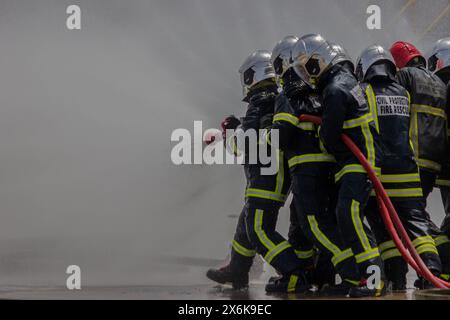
[{"x": 394, "y": 105}]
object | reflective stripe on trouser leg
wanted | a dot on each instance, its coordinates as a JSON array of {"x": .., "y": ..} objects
[
  {"x": 262, "y": 236},
  {"x": 308, "y": 254},
  {"x": 369, "y": 252},
  {"x": 426, "y": 247},
  {"x": 292, "y": 283},
  {"x": 388, "y": 250},
  {"x": 272, "y": 249},
  {"x": 336, "y": 253},
  {"x": 242, "y": 250},
  {"x": 443, "y": 246},
  {"x": 303, "y": 247},
  {"x": 269, "y": 243},
  {"x": 425, "y": 244},
  {"x": 441, "y": 240}
]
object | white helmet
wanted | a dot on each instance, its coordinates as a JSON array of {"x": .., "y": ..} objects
[
  {"x": 440, "y": 55},
  {"x": 369, "y": 57},
  {"x": 256, "y": 68},
  {"x": 313, "y": 56},
  {"x": 282, "y": 54}
]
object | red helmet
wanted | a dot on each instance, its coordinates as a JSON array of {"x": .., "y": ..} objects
[{"x": 403, "y": 52}]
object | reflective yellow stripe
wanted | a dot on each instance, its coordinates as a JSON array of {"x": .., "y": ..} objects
[
  {"x": 427, "y": 248},
  {"x": 280, "y": 174},
  {"x": 348, "y": 253},
  {"x": 311, "y": 157},
  {"x": 232, "y": 145},
  {"x": 440, "y": 240},
  {"x": 390, "y": 254},
  {"x": 408, "y": 192},
  {"x": 443, "y": 183},
  {"x": 264, "y": 194},
  {"x": 353, "y": 282},
  {"x": 398, "y": 178},
  {"x": 369, "y": 144},
  {"x": 282, "y": 116},
  {"x": 373, "y": 105},
  {"x": 322, "y": 238},
  {"x": 304, "y": 254},
  {"x": 414, "y": 133},
  {"x": 386, "y": 245},
  {"x": 321, "y": 146},
  {"x": 292, "y": 283},
  {"x": 357, "y": 223},
  {"x": 444, "y": 276},
  {"x": 353, "y": 123},
  {"x": 268, "y": 136},
  {"x": 260, "y": 232},
  {"x": 424, "y": 163},
  {"x": 353, "y": 168},
  {"x": 338, "y": 255},
  {"x": 429, "y": 110},
  {"x": 423, "y": 240},
  {"x": 271, "y": 254},
  {"x": 241, "y": 250},
  {"x": 367, "y": 255},
  {"x": 307, "y": 126}
]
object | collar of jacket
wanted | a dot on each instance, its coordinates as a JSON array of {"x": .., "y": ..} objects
[
  {"x": 332, "y": 72},
  {"x": 267, "y": 88},
  {"x": 379, "y": 72}
]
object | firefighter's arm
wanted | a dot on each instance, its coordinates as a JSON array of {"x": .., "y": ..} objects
[
  {"x": 285, "y": 120},
  {"x": 335, "y": 102},
  {"x": 404, "y": 79}
]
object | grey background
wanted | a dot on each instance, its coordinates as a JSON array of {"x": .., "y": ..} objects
[{"x": 86, "y": 118}]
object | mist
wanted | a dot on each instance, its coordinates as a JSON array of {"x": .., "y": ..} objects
[{"x": 86, "y": 118}]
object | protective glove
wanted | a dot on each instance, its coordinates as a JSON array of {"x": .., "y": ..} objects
[
  {"x": 229, "y": 123},
  {"x": 212, "y": 136}
]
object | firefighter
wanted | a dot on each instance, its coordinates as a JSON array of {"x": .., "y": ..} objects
[
  {"x": 311, "y": 168},
  {"x": 428, "y": 131},
  {"x": 428, "y": 117},
  {"x": 439, "y": 63},
  {"x": 390, "y": 106},
  {"x": 345, "y": 110},
  {"x": 264, "y": 194}
]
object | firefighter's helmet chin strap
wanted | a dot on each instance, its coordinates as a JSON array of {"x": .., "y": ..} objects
[{"x": 267, "y": 86}]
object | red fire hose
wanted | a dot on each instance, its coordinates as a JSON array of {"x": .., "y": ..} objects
[{"x": 389, "y": 215}]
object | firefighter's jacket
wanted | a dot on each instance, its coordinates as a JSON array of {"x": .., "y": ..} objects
[
  {"x": 389, "y": 103},
  {"x": 263, "y": 190},
  {"x": 345, "y": 110},
  {"x": 428, "y": 130}
]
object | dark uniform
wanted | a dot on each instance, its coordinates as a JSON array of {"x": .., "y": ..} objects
[
  {"x": 346, "y": 111},
  {"x": 303, "y": 247},
  {"x": 443, "y": 182},
  {"x": 428, "y": 121},
  {"x": 264, "y": 195},
  {"x": 389, "y": 103},
  {"x": 313, "y": 186},
  {"x": 428, "y": 135}
]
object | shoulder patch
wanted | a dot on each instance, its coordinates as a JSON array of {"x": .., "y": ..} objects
[{"x": 359, "y": 95}]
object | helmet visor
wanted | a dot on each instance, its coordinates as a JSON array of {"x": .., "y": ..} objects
[
  {"x": 309, "y": 69},
  {"x": 439, "y": 61}
]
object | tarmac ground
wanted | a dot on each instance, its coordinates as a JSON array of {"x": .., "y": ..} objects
[{"x": 201, "y": 292}]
